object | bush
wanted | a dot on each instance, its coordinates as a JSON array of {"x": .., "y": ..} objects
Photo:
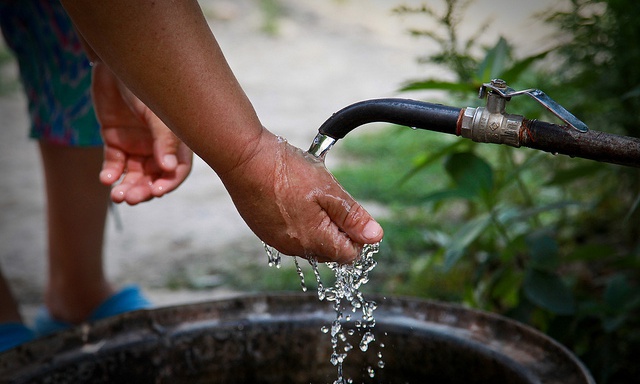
[{"x": 550, "y": 241}]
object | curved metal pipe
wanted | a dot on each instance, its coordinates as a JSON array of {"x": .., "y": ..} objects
[{"x": 411, "y": 113}]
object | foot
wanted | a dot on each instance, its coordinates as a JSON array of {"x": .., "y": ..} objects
[
  {"x": 14, "y": 334},
  {"x": 74, "y": 303},
  {"x": 126, "y": 300}
]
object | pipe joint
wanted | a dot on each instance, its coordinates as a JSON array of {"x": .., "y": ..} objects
[{"x": 483, "y": 126}]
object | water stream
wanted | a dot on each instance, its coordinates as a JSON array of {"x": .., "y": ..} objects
[{"x": 347, "y": 300}]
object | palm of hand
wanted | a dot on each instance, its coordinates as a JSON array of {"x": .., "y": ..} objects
[{"x": 140, "y": 150}]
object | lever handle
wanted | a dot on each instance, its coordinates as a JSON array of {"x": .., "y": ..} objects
[{"x": 499, "y": 87}]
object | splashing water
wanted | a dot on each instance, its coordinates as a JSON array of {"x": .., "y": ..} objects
[
  {"x": 275, "y": 260},
  {"x": 346, "y": 296},
  {"x": 273, "y": 256},
  {"x": 300, "y": 274}
]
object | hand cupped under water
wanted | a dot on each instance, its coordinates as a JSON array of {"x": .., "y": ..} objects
[{"x": 291, "y": 202}]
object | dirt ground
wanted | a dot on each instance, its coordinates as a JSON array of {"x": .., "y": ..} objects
[{"x": 324, "y": 55}]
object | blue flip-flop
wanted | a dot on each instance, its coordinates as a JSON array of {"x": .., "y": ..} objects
[
  {"x": 128, "y": 299},
  {"x": 14, "y": 334}
]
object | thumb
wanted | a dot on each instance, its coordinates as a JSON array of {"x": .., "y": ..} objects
[
  {"x": 354, "y": 220},
  {"x": 165, "y": 145}
]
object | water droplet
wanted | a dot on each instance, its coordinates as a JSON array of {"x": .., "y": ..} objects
[
  {"x": 299, "y": 270},
  {"x": 273, "y": 255},
  {"x": 338, "y": 358},
  {"x": 335, "y": 328},
  {"x": 371, "y": 372},
  {"x": 367, "y": 338}
]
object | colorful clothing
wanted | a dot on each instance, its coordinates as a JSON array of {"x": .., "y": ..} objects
[{"x": 54, "y": 70}]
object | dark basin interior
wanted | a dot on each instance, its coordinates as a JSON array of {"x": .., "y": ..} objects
[{"x": 277, "y": 339}]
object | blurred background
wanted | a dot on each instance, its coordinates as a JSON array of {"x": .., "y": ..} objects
[{"x": 550, "y": 241}]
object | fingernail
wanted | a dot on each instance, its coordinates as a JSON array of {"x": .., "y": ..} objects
[
  {"x": 158, "y": 190},
  {"x": 117, "y": 195},
  {"x": 170, "y": 161},
  {"x": 106, "y": 175},
  {"x": 372, "y": 230}
]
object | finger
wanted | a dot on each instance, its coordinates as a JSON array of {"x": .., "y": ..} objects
[
  {"x": 112, "y": 166},
  {"x": 139, "y": 193},
  {"x": 351, "y": 218},
  {"x": 168, "y": 181},
  {"x": 133, "y": 192},
  {"x": 120, "y": 191},
  {"x": 335, "y": 245},
  {"x": 165, "y": 144},
  {"x": 147, "y": 172},
  {"x": 351, "y": 226},
  {"x": 134, "y": 177}
]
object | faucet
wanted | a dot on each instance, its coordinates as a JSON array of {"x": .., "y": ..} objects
[{"x": 490, "y": 124}]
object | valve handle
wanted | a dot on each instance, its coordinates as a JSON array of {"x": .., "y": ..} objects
[{"x": 500, "y": 88}]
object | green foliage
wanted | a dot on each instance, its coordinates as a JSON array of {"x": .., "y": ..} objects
[
  {"x": 271, "y": 11},
  {"x": 600, "y": 58},
  {"x": 550, "y": 241}
]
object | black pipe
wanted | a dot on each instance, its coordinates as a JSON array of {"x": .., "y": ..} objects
[
  {"x": 411, "y": 113},
  {"x": 594, "y": 145}
]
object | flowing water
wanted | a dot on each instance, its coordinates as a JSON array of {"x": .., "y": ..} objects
[{"x": 348, "y": 301}]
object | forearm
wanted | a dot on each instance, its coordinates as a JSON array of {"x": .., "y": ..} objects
[{"x": 166, "y": 54}]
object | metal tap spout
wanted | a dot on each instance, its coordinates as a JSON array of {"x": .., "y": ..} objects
[{"x": 410, "y": 113}]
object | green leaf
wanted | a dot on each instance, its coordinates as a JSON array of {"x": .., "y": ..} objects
[
  {"x": 425, "y": 161},
  {"x": 513, "y": 73},
  {"x": 635, "y": 92},
  {"x": 548, "y": 291},
  {"x": 466, "y": 235},
  {"x": 591, "y": 252},
  {"x": 617, "y": 292},
  {"x": 610, "y": 324},
  {"x": 507, "y": 287},
  {"x": 567, "y": 176},
  {"x": 544, "y": 251},
  {"x": 494, "y": 62},
  {"x": 470, "y": 173},
  {"x": 525, "y": 214},
  {"x": 632, "y": 209},
  {"x": 446, "y": 194}
]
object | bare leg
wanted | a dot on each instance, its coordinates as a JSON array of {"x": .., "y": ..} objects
[
  {"x": 12, "y": 331},
  {"x": 9, "y": 312},
  {"x": 76, "y": 211}
]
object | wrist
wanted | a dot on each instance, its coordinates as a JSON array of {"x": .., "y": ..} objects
[{"x": 246, "y": 156}]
